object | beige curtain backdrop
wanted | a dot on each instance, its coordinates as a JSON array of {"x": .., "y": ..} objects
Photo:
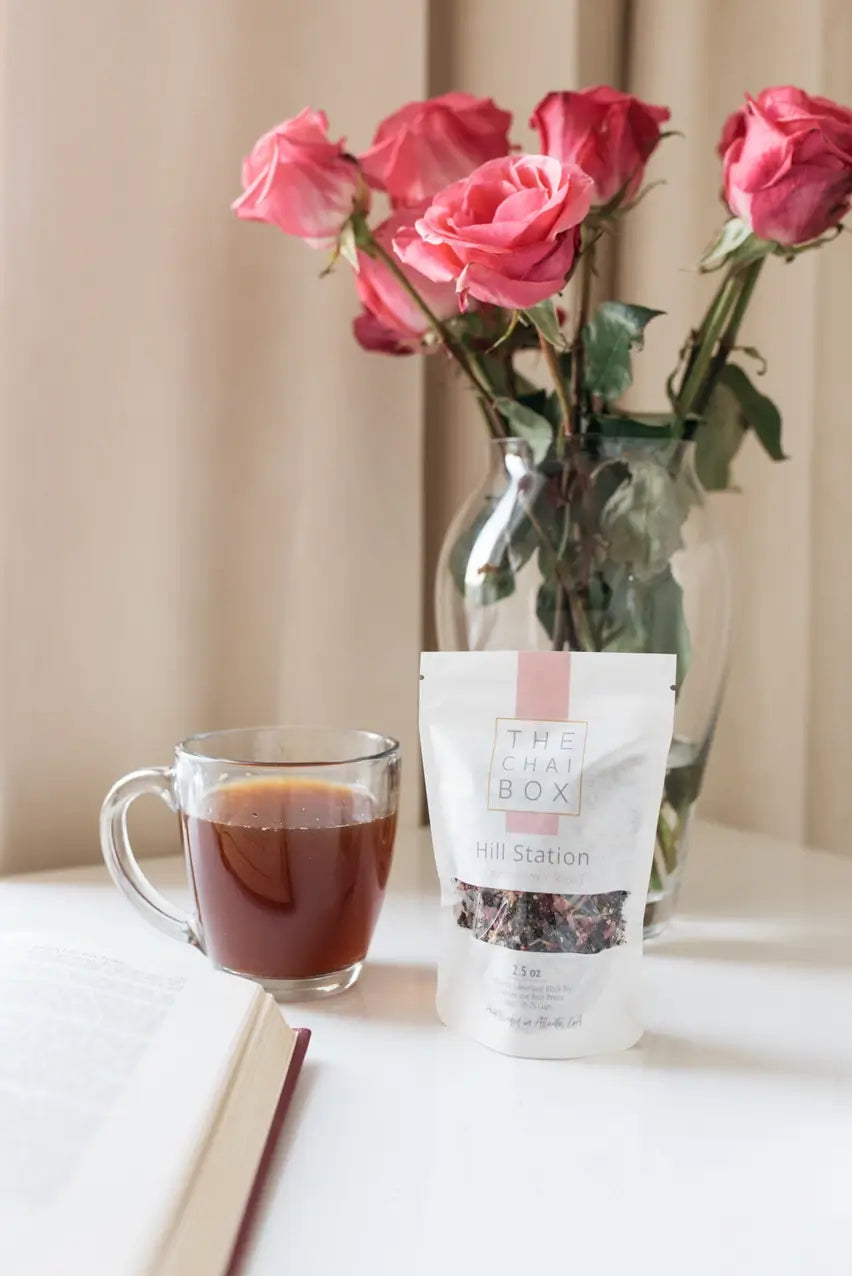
[
  {"x": 215, "y": 509},
  {"x": 783, "y": 757},
  {"x": 211, "y": 506}
]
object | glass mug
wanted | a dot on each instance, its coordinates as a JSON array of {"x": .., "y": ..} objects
[{"x": 288, "y": 835}]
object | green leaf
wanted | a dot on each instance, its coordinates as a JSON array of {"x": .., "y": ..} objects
[
  {"x": 641, "y": 522},
  {"x": 665, "y": 622},
  {"x": 735, "y": 406},
  {"x": 637, "y": 425},
  {"x": 543, "y": 403},
  {"x": 553, "y": 411},
  {"x": 536, "y": 430},
  {"x": 550, "y": 601},
  {"x": 641, "y": 444},
  {"x": 535, "y": 400},
  {"x": 462, "y": 546},
  {"x": 607, "y": 371},
  {"x": 684, "y": 774},
  {"x": 484, "y": 582},
  {"x": 615, "y": 330},
  {"x": 544, "y": 318},
  {"x": 734, "y": 233},
  {"x": 496, "y": 583},
  {"x": 347, "y": 245},
  {"x": 531, "y": 527},
  {"x": 718, "y": 438},
  {"x": 735, "y": 245},
  {"x": 647, "y": 616},
  {"x": 634, "y": 318},
  {"x": 558, "y": 558},
  {"x": 497, "y": 370},
  {"x": 484, "y": 568},
  {"x": 545, "y": 607},
  {"x": 524, "y": 542},
  {"x": 758, "y": 411}
]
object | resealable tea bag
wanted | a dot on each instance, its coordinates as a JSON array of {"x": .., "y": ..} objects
[{"x": 544, "y": 774}]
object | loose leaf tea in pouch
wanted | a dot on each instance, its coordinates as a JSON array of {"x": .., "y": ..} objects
[{"x": 544, "y": 774}]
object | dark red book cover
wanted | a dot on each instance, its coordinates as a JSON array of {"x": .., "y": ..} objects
[{"x": 303, "y": 1036}]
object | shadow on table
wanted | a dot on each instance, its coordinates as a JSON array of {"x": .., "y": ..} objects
[
  {"x": 827, "y": 950},
  {"x": 665, "y": 1051},
  {"x": 393, "y": 991}
]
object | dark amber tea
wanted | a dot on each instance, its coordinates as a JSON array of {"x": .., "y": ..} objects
[
  {"x": 289, "y": 875},
  {"x": 288, "y": 836}
]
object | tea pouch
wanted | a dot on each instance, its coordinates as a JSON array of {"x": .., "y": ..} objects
[{"x": 544, "y": 775}]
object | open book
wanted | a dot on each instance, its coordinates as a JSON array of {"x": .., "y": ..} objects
[{"x": 135, "y": 1106}]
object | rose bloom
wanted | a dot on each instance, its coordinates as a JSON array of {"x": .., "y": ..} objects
[
  {"x": 423, "y": 147},
  {"x": 610, "y": 135},
  {"x": 299, "y": 181},
  {"x": 507, "y": 234},
  {"x": 787, "y": 164},
  {"x": 391, "y": 322}
]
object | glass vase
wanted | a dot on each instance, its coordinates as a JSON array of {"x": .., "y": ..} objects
[{"x": 610, "y": 547}]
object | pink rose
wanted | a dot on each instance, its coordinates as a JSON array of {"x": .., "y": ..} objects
[
  {"x": 787, "y": 164},
  {"x": 373, "y": 335},
  {"x": 733, "y": 128},
  {"x": 610, "y": 135},
  {"x": 391, "y": 321},
  {"x": 420, "y": 149},
  {"x": 298, "y": 180},
  {"x": 507, "y": 234}
]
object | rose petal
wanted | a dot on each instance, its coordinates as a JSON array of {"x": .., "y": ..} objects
[
  {"x": 426, "y": 145},
  {"x": 477, "y": 280}
]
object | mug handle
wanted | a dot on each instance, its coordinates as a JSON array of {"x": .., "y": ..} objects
[{"x": 121, "y": 862}]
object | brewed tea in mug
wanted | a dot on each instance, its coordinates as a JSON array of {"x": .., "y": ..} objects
[{"x": 288, "y": 836}]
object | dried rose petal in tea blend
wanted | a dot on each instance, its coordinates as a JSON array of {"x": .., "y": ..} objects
[
  {"x": 532, "y": 922},
  {"x": 544, "y": 772}
]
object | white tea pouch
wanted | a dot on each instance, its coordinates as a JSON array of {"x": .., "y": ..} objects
[{"x": 544, "y": 774}]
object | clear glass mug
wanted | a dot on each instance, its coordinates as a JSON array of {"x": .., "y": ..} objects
[{"x": 288, "y": 835}]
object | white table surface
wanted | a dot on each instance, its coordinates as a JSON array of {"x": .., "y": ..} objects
[{"x": 721, "y": 1144}]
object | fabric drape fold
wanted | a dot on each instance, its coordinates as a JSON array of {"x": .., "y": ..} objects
[{"x": 782, "y": 759}]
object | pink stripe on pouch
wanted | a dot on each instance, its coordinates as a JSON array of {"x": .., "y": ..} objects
[{"x": 543, "y": 693}]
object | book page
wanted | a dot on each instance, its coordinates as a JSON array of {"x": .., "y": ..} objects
[
  {"x": 73, "y": 1026},
  {"x": 111, "y": 1076}
]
